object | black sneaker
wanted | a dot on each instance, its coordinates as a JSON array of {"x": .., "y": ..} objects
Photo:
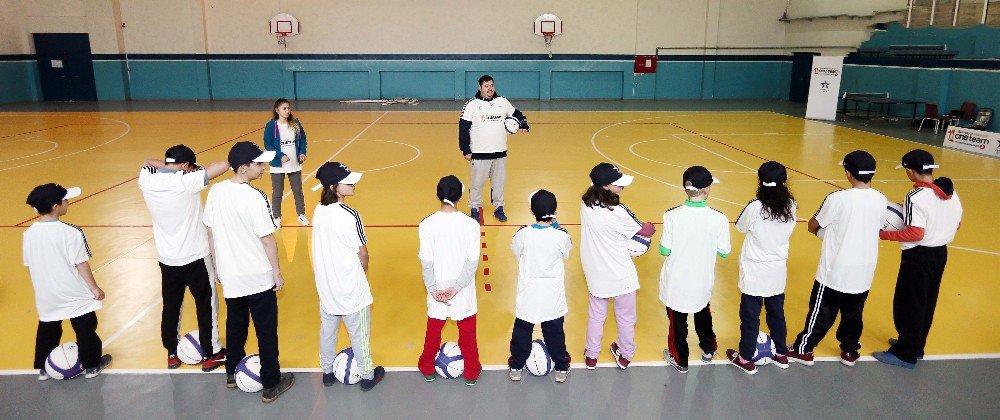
[
  {"x": 367, "y": 384},
  {"x": 329, "y": 379},
  {"x": 499, "y": 214},
  {"x": 272, "y": 393},
  {"x": 672, "y": 362},
  {"x": 230, "y": 381},
  {"x": 893, "y": 341},
  {"x": 477, "y": 215},
  {"x": 102, "y": 363}
]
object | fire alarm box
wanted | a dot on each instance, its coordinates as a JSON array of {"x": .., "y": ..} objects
[{"x": 645, "y": 64}]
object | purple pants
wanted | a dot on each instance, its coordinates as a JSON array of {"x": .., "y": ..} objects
[{"x": 625, "y": 316}]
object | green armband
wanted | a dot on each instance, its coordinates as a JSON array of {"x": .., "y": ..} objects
[
  {"x": 721, "y": 254},
  {"x": 664, "y": 251}
]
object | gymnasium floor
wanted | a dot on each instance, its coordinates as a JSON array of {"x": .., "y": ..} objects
[{"x": 403, "y": 150}]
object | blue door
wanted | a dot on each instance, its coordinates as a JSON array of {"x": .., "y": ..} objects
[{"x": 65, "y": 67}]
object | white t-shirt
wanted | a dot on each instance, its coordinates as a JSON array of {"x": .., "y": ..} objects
[
  {"x": 763, "y": 269},
  {"x": 694, "y": 235},
  {"x": 337, "y": 236},
  {"x": 287, "y": 138},
  {"x": 488, "y": 134},
  {"x": 852, "y": 219},
  {"x": 239, "y": 216},
  {"x": 51, "y": 251},
  {"x": 939, "y": 217},
  {"x": 174, "y": 202},
  {"x": 541, "y": 275},
  {"x": 448, "y": 240},
  {"x": 604, "y": 236}
]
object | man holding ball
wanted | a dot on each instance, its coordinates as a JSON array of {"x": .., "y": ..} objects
[{"x": 482, "y": 137}]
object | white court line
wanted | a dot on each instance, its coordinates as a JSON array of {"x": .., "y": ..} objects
[
  {"x": 54, "y": 147},
  {"x": 353, "y": 139},
  {"x": 390, "y": 166},
  {"x": 128, "y": 129},
  {"x": 631, "y": 149},
  {"x": 593, "y": 144},
  {"x": 714, "y": 153},
  {"x": 974, "y": 250},
  {"x": 574, "y": 366}
]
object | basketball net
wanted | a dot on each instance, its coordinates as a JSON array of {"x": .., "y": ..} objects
[
  {"x": 281, "y": 39},
  {"x": 548, "y": 41}
]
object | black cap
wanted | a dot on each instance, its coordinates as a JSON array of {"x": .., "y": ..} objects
[
  {"x": 699, "y": 177},
  {"x": 772, "y": 174},
  {"x": 44, "y": 196},
  {"x": 332, "y": 173},
  {"x": 180, "y": 154},
  {"x": 919, "y": 160},
  {"x": 607, "y": 174},
  {"x": 859, "y": 162},
  {"x": 543, "y": 204},
  {"x": 245, "y": 152},
  {"x": 450, "y": 189}
]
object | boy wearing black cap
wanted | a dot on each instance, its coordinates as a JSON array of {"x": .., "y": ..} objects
[
  {"x": 340, "y": 264},
  {"x": 56, "y": 255},
  {"x": 172, "y": 189},
  {"x": 693, "y": 235},
  {"x": 541, "y": 289},
  {"x": 933, "y": 213},
  {"x": 449, "y": 257},
  {"x": 768, "y": 222},
  {"x": 606, "y": 227},
  {"x": 851, "y": 220},
  {"x": 240, "y": 232}
]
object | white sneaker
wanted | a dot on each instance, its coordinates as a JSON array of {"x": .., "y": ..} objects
[
  {"x": 277, "y": 222},
  {"x": 303, "y": 220},
  {"x": 515, "y": 374},
  {"x": 560, "y": 375},
  {"x": 43, "y": 375}
]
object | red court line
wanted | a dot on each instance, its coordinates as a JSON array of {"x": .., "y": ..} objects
[
  {"x": 35, "y": 131},
  {"x": 19, "y": 224},
  {"x": 756, "y": 155}
]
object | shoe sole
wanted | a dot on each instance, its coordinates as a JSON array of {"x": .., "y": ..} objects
[
  {"x": 801, "y": 362},
  {"x": 515, "y": 379},
  {"x": 430, "y": 380},
  {"x": 748, "y": 372},
  {"x": 782, "y": 366},
  {"x": 209, "y": 369},
  {"x": 847, "y": 363},
  {"x": 559, "y": 381}
]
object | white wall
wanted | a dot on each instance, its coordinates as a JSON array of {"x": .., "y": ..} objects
[{"x": 394, "y": 26}]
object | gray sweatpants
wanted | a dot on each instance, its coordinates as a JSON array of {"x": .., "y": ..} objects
[
  {"x": 278, "y": 190},
  {"x": 496, "y": 171},
  {"x": 358, "y": 329}
]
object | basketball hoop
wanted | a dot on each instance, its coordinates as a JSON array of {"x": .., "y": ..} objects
[
  {"x": 548, "y": 26},
  {"x": 282, "y": 26}
]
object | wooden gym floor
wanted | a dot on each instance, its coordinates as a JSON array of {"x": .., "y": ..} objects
[{"x": 404, "y": 152}]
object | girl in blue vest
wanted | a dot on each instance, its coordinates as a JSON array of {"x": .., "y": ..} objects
[{"x": 284, "y": 134}]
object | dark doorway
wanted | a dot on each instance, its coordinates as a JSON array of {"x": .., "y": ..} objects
[
  {"x": 798, "y": 90},
  {"x": 65, "y": 67}
]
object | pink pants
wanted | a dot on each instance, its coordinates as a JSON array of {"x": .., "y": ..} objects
[{"x": 625, "y": 316}]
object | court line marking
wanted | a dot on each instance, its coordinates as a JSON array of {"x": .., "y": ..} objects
[
  {"x": 54, "y": 147},
  {"x": 579, "y": 366},
  {"x": 128, "y": 129},
  {"x": 715, "y": 153},
  {"x": 353, "y": 139},
  {"x": 33, "y": 131},
  {"x": 390, "y": 166},
  {"x": 974, "y": 250},
  {"x": 631, "y": 149}
]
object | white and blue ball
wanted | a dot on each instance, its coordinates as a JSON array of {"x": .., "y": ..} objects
[
  {"x": 539, "y": 361},
  {"x": 64, "y": 362},
  {"x": 765, "y": 351},
  {"x": 638, "y": 245},
  {"x": 248, "y": 374},
  {"x": 189, "y": 349},
  {"x": 345, "y": 367},
  {"x": 449, "y": 362},
  {"x": 511, "y": 124},
  {"x": 892, "y": 218}
]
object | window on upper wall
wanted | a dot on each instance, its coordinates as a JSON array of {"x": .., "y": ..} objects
[
  {"x": 993, "y": 13},
  {"x": 920, "y": 13},
  {"x": 970, "y": 13},
  {"x": 944, "y": 10}
]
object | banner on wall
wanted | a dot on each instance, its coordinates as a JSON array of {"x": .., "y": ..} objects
[
  {"x": 824, "y": 87},
  {"x": 973, "y": 141}
]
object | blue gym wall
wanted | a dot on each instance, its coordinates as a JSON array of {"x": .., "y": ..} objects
[
  {"x": 19, "y": 79},
  {"x": 438, "y": 77}
]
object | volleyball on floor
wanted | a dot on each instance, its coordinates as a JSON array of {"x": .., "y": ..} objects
[
  {"x": 449, "y": 362},
  {"x": 892, "y": 218},
  {"x": 511, "y": 124},
  {"x": 189, "y": 349},
  {"x": 539, "y": 362},
  {"x": 638, "y": 245},
  {"x": 64, "y": 362},
  {"x": 248, "y": 374},
  {"x": 765, "y": 350},
  {"x": 345, "y": 367}
]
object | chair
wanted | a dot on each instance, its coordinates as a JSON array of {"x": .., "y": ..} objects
[
  {"x": 982, "y": 119},
  {"x": 931, "y": 114},
  {"x": 966, "y": 112}
]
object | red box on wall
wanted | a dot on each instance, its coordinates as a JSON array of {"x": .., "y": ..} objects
[{"x": 645, "y": 64}]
